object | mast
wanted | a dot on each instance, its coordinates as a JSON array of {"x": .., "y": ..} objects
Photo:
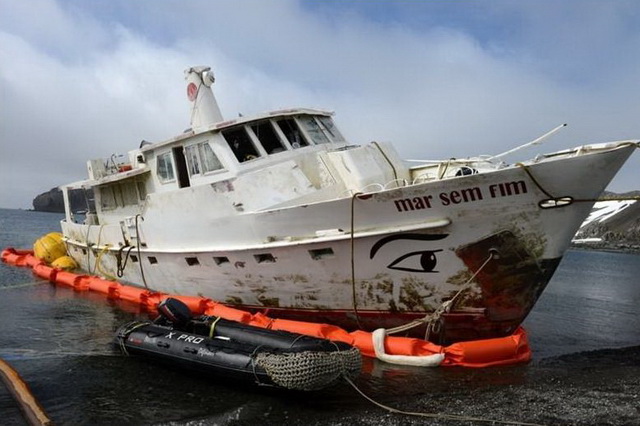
[{"x": 204, "y": 107}]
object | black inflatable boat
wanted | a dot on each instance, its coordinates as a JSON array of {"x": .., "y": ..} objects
[{"x": 215, "y": 346}]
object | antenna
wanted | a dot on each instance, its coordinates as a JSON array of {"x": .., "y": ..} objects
[{"x": 528, "y": 144}]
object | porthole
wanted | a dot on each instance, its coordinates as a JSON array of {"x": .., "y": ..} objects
[
  {"x": 192, "y": 261},
  {"x": 264, "y": 258},
  {"x": 323, "y": 253},
  {"x": 220, "y": 260}
]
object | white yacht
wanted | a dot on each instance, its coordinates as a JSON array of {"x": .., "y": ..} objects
[{"x": 279, "y": 213}]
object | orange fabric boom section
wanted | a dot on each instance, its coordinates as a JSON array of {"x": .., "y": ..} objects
[{"x": 512, "y": 349}]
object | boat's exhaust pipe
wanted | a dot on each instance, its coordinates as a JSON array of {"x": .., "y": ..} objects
[{"x": 204, "y": 108}]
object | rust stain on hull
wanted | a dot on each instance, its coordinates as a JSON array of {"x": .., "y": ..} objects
[{"x": 511, "y": 282}]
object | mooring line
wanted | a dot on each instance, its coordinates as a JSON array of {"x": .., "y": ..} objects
[
  {"x": 32, "y": 411},
  {"x": 21, "y": 355},
  {"x": 436, "y": 415},
  {"x": 29, "y": 284},
  {"x": 575, "y": 200}
]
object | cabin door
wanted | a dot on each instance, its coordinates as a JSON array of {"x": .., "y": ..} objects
[{"x": 181, "y": 167}]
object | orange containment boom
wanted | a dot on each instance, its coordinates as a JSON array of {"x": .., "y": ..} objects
[{"x": 508, "y": 350}]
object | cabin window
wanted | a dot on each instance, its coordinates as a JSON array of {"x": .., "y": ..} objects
[
  {"x": 191, "y": 152},
  {"x": 241, "y": 145},
  {"x": 107, "y": 198},
  {"x": 142, "y": 190},
  {"x": 323, "y": 253},
  {"x": 117, "y": 193},
  {"x": 330, "y": 128},
  {"x": 220, "y": 260},
  {"x": 264, "y": 258},
  {"x": 192, "y": 261},
  {"x": 292, "y": 132},
  {"x": 164, "y": 167},
  {"x": 201, "y": 159},
  {"x": 267, "y": 136},
  {"x": 210, "y": 161},
  {"x": 122, "y": 194},
  {"x": 313, "y": 129},
  {"x": 129, "y": 193}
]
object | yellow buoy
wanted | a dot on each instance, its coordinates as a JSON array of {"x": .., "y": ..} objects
[
  {"x": 66, "y": 263},
  {"x": 50, "y": 247}
]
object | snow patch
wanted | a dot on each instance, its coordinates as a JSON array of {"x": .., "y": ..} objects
[{"x": 604, "y": 210}]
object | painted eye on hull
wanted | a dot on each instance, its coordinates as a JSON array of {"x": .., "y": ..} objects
[{"x": 417, "y": 261}]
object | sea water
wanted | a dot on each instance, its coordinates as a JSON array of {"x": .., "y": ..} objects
[{"x": 60, "y": 342}]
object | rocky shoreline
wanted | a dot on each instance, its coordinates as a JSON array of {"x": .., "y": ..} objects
[
  {"x": 590, "y": 388},
  {"x": 631, "y": 248}
]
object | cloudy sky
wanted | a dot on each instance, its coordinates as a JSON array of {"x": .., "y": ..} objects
[{"x": 81, "y": 80}]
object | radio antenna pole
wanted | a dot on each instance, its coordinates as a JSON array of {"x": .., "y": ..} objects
[{"x": 528, "y": 144}]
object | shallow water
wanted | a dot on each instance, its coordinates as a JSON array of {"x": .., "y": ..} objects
[{"x": 61, "y": 343}]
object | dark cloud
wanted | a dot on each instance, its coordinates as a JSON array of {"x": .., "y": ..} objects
[{"x": 83, "y": 80}]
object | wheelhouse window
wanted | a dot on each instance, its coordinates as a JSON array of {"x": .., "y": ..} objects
[
  {"x": 313, "y": 129},
  {"x": 210, "y": 161},
  {"x": 201, "y": 159},
  {"x": 122, "y": 194},
  {"x": 241, "y": 144},
  {"x": 330, "y": 128},
  {"x": 164, "y": 167},
  {"x": 191, "y": 152},
  {"x": 293, "y": 134},
  {"x": 107, "y": 198},
  {"x": 129, "y": 193},
  {"x": 268, "y": 138},
  {"x": 142, "y": 190}
]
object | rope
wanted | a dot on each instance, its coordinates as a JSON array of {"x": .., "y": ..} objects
[
  {"x": 446, "y": 167},
  {"x": 353, "y": 264},
  {"x": 534, "y": 180},
  {"x": 445, "y": 307},
  {"x": 124, "y": 334},
  {"x": 98, "y": 262},
  {"x": 120, "y": 265},
  {"x": 86, "y": 240},
  {"x": 97, "y": 244},
  {"x": 30, "y": 284},
  {"x": 393, "y": 168},
  {"x": 14, "y": 354},
  {"x": 435, "y": 415},
  {"x": 377, "y": 338},
  {"x": 625, "y": 198},
  {"x": 578, "y": 200},
  {"x": 144, "y": 281},
  {"x": 254, "y": 364},
  {"x": 212, "y": 327}
]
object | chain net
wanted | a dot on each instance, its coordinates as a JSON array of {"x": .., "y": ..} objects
[{"x": 310, "y": 370}]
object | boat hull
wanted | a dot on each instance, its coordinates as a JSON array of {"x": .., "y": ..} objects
[{"x": 486, "y": 243}]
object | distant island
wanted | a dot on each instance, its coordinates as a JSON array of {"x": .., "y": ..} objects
[{"x": 52, "y": 201}]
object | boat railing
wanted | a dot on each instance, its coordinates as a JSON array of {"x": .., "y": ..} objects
[
  {"x": 375, "y": 187},
  {"x": 397, "y": 182},
  {"x": 425, "y": 177}
]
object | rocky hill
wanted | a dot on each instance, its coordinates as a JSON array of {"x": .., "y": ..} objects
[
  {"x": 612, "y": 225},
  {"x": 51, "y": 201}
]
